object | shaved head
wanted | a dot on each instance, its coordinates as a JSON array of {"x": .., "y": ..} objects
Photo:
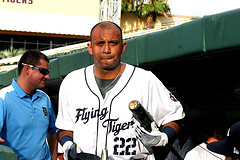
[{"x": 106, "y": 25}]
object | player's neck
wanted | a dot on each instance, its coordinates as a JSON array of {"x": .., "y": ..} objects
[
  {"x": 23, "y": 82},
  {"x": 109, "y": 74}
]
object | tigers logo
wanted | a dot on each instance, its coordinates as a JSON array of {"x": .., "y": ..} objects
[{"x": 45, "y": 111}]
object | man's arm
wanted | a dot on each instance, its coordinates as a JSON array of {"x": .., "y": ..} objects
[
  {"x": 172, "y": 128},
  {"x": 53, "y": 145},
  {"x": 65, "y": 138}
]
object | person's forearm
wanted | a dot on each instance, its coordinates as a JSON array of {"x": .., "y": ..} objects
[
  {"x": 171, "y": 129},
  {"x": 53, "y": 146},
  {"x": 64, "y": 136},
  {"x": 174, "y": 125}
]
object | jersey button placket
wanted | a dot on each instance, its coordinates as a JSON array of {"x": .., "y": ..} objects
[{"x": 33, "y": 108}]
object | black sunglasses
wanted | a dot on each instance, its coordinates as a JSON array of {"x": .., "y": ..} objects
[{"x": 43, "y": 71}]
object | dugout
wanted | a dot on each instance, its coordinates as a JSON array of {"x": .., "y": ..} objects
[{"x": 198, "y": 61}]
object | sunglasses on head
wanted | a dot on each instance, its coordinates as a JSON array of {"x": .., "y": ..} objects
[{"x": 43, "y": 71}]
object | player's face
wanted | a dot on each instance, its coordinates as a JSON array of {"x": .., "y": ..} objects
[
  {"x": 106, "y": 47},
  {"x": 37, "y": 79}
]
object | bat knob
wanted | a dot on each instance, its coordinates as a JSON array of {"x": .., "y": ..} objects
[{"x": 133, "y": 104}]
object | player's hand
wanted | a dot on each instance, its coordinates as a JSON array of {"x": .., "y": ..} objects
[
  {"x": 69, "y": 150},
  {"x": 2, "y": 140},
  {"x": 153, "y": 138}
]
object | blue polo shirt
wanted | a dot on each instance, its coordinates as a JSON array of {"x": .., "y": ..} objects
[{"x": 25, "y": 122}]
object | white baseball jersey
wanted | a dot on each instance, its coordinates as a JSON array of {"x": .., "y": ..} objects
[
  {"x": 201, "y": 152},
  {"x": 99, "y": 123}
]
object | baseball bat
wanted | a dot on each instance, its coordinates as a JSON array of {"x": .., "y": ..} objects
[{"x": 145, "y": 119}]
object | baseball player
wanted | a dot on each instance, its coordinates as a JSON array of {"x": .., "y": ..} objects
[
  {"x": 230, "y": 146},
  {"x": 201, "y": 152},
  {"x": 93, "y": 103},
  {"x": 215, "y": 128}
]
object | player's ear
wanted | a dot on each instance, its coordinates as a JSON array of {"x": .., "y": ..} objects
[
  {"x": 89, "y": 45},
  {"x": 124, "y": 45}
]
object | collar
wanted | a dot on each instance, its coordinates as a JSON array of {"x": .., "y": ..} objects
[
  {"x": 212, "y": 139},
  {"x": 19, "y": 90}
]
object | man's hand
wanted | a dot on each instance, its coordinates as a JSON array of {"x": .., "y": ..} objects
[
  {"x": 69, "y": 149},
  {"x": 153, "y": 138},
  {"x": 2, "y": 140}
]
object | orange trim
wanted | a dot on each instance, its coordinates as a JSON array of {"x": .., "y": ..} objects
[
  {"x": 212, "y": 139},
  {"x": 174, "y": 125},
  {"x": 64, "y": 133}
]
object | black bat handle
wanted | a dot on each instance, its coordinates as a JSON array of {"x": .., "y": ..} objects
[
  {"x": 145, "y": 119},
  {"x": 141, "y": 115}
]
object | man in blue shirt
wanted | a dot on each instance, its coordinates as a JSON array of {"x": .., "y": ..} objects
[{"x": 26, "y": 113}]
